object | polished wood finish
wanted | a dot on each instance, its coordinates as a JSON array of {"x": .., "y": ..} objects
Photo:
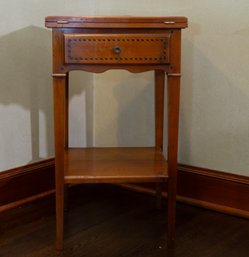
[
  {"x": 136, "y": 44},
  {"x": 116, "y": 22},
  {"x": 116, "y": 48},
  {"x": 114, "y": 165}
]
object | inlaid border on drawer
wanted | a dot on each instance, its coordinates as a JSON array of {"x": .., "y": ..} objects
[{"x": 117, "y": 48}]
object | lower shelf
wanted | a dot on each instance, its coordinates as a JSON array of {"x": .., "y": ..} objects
[{"x": 115, "y": 165}]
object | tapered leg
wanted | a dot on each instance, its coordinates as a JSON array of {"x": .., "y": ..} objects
[
  {"x": 60, "y": 116},
  {"x": 66, "y": 191},
  {"x": 159, "y": 107},
  {"x": 159, "y": 120},
  {"x": 173, "y": 123}
]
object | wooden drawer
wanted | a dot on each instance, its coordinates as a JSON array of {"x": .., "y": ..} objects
[{"x": 116, "y": 48}]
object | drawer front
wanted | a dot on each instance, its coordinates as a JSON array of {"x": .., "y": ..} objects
[{"x": 116, "y": 48}]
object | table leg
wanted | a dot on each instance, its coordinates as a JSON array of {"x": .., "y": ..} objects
[
  {"x": 173, "y": 124},
  {"x": 60, "y": 134}
]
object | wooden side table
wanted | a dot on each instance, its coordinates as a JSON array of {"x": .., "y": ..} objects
[{"x": 136, "y": 44}]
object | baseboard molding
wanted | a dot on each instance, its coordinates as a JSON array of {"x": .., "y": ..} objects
[
  {"x": 26, "y": 183},
  {"x": 214, "y": 190}
]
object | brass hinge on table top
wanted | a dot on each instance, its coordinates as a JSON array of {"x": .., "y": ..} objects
[
  {"x": 169, "y": 22},
  {"x": 62, "y": 22}
]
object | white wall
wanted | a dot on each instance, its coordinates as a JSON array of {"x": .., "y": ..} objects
[
  {"x": 26, "y": 109},
  {"x": 214, "y": 125}
]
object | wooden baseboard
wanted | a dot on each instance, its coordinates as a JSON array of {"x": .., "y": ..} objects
[
  {"x": 214, "y": 190},
  {"x": 219, "y": 191},
  {"x": 26, "y": 183}
]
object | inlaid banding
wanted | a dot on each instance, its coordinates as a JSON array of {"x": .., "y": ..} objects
[{"x": 134, "y": 48}]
